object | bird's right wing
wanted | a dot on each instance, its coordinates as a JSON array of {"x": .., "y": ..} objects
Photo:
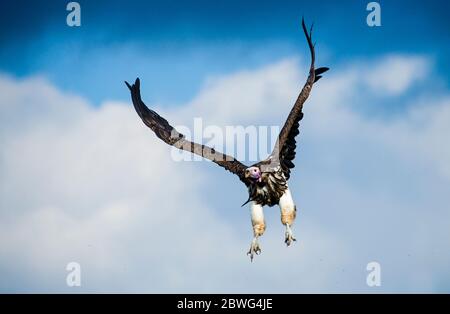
[{"x": 171, "y": 136}]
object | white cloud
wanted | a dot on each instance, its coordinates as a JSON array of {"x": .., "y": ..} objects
[
  {"x": 93, "y": 185},
  {"x": 102, "y": 191},
  {"x": 249, "y": 96},
  {"x": 395, "y": 74}
]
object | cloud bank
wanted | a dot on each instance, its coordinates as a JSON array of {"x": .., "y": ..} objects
[{"x": 94, "y": 186}]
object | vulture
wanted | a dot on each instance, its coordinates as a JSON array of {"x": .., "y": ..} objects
[{"x": 266, "y": 180}]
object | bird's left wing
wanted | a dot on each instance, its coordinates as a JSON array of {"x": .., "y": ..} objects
[
  {"x": 284, "y": 151},
  {"x": 171, "y": 136}
]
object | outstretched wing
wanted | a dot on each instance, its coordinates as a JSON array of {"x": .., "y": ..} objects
[
  {"x": 284, "y": 150},
  {"x": 171, "y": 136}
]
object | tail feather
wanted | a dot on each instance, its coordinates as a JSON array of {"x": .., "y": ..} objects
[{"x": 247, "y": 201}]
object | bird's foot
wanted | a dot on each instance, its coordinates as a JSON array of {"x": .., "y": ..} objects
[
  {"x": 289, "y": 237},
  {"x": 254, "y": 249}
]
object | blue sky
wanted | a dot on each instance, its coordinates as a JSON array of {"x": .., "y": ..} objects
[
  {"x": 83, "y": 180},
  {"x": 175, "y": 43}
]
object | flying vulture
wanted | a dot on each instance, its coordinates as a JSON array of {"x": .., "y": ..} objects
[{"x": 266, "y": 180}]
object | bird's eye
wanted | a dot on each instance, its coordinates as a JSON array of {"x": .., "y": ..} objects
[{"x": 254, "y": 170}]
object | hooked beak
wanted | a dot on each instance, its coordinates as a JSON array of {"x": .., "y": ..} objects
[{"x": 254, "y": 175}]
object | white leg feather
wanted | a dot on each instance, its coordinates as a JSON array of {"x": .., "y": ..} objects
[
  {"x": 259, "y": 226},
  {"x": 288, "y": 214}
]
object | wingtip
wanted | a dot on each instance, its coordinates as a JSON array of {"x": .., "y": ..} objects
[
  {"x": 308, "y": 33},
  {"x": 303, "y": 24},
  {"x": 136, "y": 84}
]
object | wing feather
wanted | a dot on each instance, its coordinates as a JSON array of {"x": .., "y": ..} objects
[
  {"x": 284, "y": 151},
  {"x": 171, "y": 136}
]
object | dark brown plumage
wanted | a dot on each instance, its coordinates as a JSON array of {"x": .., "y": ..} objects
[
  {"x": 275, "y": 170},
  {"x": 171, "y": 136}
]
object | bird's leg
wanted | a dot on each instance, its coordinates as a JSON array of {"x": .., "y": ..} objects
[
  {"x": 288, "y": 214},
  {"x": 254, "y": 248},
  {"x": 259, "y": 227},
  {"x": 289, "y": 237}
]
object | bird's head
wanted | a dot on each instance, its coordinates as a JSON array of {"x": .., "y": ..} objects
[{"x": 253, "y": 174}]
